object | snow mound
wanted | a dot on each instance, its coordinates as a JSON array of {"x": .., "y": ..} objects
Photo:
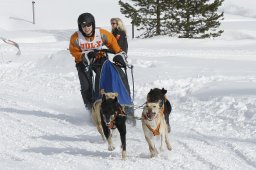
[{"x": 59, "y": 62}]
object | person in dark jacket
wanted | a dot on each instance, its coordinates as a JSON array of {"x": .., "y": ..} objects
[{"x": 119, "y": 31}]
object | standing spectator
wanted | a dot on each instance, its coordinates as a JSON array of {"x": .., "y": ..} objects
[{"x": 119, "y": 31}]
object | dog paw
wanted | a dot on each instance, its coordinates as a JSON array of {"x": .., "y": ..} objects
[
  {"x": 169, "y": 147},
  {"x": 153, "y": 155},
  {"x": 111, "y": 148},
  {"x": 124, "y": 156}
]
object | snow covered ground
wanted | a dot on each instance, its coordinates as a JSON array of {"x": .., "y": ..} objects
[{"x": 211, "y": 84}]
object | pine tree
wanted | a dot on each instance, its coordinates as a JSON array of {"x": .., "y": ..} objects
[
  {"x": 148, "y": 15},
  {"x": 195, "y": 18}
]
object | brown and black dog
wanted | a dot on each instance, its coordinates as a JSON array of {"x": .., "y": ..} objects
[{"x": 108, "y": 114}]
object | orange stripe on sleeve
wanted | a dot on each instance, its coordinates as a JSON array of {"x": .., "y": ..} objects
[
  {"x": 74, "y": 48},
  {"x": 110, "y": 41}
]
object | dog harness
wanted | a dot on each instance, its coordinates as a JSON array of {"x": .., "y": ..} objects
[{"x": 118, "y": 112}]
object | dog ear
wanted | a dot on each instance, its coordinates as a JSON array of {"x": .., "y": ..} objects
[
  {"x": 164, "y": 91},
  {"x": 161, "y": 102},
  {"x": 115, "y": 99},
  {"x": 148, "y": 94},
  {"x": 102, "y": 91}
]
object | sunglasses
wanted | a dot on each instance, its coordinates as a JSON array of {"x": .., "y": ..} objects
[
  {"x": 113, "y": 23},
  {"x": 84, "y": 24}
]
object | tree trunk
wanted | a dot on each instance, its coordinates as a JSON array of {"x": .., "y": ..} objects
[{"x": 158, "y": 13}]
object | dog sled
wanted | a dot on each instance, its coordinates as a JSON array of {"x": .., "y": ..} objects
[{"x": 114, "y": 78}]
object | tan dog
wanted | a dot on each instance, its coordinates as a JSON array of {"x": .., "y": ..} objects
[
  {"x": 154, "y": 124},
  {"x": 96, "y": 111}
]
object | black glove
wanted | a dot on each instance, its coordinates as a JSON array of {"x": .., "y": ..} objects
[
  {"x": 88, "y": 57},
  {"x": 120, "y": 59}
]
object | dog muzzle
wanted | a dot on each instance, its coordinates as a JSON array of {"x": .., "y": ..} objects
[
  {"x": 150, "y": 115},
  {"x": 110, "y": 123}
]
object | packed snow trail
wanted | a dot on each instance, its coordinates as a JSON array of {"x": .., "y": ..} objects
[{"x": 44, "y": 124}]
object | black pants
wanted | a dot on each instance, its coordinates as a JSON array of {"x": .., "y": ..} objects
[
  {"x": 89, "y": 90},
  {"x": 86, "y": 84}
]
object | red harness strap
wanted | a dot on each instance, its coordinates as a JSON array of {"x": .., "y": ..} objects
[
  {"x": 156, "y": 131},
  {"x": 118, "y": 112}
]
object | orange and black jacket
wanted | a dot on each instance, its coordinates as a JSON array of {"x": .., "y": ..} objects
[{"x": 107, "y": 38}]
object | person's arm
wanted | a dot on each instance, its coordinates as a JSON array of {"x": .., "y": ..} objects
[
  {"x": 110, "y": 41},
  {"x": 74, "y": 48},
  {"x": 123, "y": 41}
]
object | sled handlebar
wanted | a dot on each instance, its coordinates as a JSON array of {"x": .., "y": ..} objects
[
  {"x": 104, "y": 50},
  {"x": 110, "y": 52},
  {"x": 130, "y": 66}
]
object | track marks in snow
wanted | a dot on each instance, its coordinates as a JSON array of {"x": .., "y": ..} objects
[
  {"x": 195, "y": 154},
  {"x": 241, "y": 155},
  {"x": 218, "y": 153}
]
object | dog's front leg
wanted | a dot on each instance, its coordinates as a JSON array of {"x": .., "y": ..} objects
[
  {"x": 108, "y": 136},
  {"x": 120, "y": 124},
  {"x": 110, "y": 143},
  {"x": 163, "y": 144},
  {"x": 152, "y": 147}
]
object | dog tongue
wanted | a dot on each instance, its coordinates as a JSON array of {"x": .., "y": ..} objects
[{"x": 150, "y": 115}]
